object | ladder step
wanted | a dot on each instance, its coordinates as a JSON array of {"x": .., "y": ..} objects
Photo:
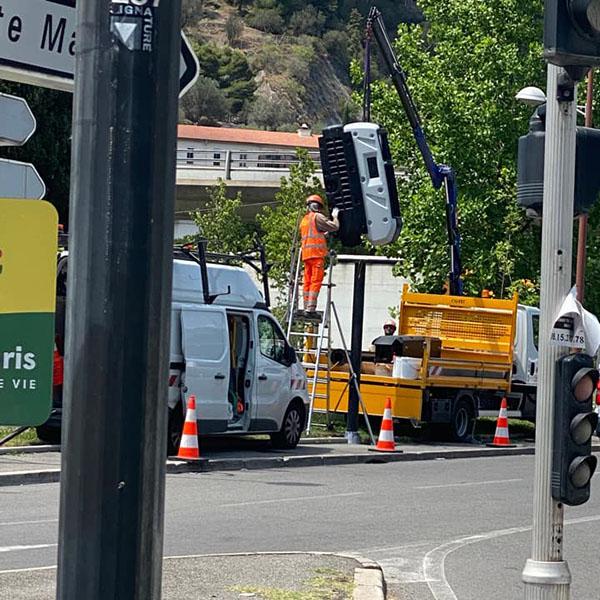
[
  {"x": 320, "y": 396},
  {"x": 304, "y": 334}
]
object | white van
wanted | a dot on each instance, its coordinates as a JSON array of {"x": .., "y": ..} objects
[{"x": 229, "y": 351}]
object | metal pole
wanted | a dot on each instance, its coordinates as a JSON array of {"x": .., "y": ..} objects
[
  {"x": 546, "y": 574},
  {"x": 583, "y": 219},
  {"x": 358, "y": 308},
  {"x": 120, "y": 265}
]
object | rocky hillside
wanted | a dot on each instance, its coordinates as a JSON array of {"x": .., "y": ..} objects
[{"x": 275, "y": 64}]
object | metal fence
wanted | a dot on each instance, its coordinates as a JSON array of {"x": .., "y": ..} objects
[{"x": 231, "y": 161}]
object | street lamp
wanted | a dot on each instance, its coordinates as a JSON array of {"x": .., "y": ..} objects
[{"x": 531, "y": 95}]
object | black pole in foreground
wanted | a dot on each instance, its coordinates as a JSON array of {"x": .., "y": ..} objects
[
  {"x": 120, "y": 263},
  {"x": 358, "y": 309}
]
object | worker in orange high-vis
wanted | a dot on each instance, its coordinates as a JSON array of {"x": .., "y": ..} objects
[{"x": 313, "y": 229}]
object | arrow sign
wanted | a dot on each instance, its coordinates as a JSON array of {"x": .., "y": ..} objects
[
  {"x": 17, "y": 123},
  {"x": 37, "y": 44},
  {"x": 20, "y": 180}
]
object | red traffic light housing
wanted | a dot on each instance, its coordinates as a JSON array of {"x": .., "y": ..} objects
[{"x": 574, "y": 424}]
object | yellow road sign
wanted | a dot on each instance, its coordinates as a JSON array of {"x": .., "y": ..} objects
[{"x": 28, "y": 245}]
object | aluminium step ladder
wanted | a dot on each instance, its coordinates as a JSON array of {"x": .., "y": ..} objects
[{"x": 316, "y": 356}]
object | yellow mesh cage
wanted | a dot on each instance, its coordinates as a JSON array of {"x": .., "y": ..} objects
[{"x": 464, "y": 325}]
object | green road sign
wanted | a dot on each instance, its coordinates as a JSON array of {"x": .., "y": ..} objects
[{"x": 28, "y": 245}]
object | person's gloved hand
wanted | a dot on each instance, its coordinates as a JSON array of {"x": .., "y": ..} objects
[{"x": 335, "y": 212}]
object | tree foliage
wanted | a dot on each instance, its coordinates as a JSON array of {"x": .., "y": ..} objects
[
  {"x": 205, "y": 103},
  {"x": 220, "y": 222},
  {"x": 230, "y": 69},
  {"x": 464, "y": 66}
]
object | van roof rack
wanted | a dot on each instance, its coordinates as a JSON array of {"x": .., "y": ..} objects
[{"x": 255, "y": 259}]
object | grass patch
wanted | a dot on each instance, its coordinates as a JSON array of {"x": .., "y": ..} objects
[
  {"x": 325, "y": 584},
  {"x": 27, "y": 438}
]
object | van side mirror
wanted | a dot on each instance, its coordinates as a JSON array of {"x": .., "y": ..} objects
[{"x": 290, "y": 355}]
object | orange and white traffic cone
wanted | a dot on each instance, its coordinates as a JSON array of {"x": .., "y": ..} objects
[
  {"x": 385, "y": 441},
  {"x": 501, "y": 439},
  {"x": 188, "y": 448}
]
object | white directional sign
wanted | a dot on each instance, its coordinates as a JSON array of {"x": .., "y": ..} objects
[
  {"x": 20, "y": 180},
  {"x": 17, "y": 123},
  {"x": 37, "y": 44}
]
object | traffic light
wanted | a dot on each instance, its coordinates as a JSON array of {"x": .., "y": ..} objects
[
  {"x": 574, "y": 424},
  {"x": 360, "y": 181},
  {"x": 530, "y": 177},
  {"x": 572, "y": 32}
]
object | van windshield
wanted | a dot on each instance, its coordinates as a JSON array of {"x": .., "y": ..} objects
[{"x": 535, "y": 322}]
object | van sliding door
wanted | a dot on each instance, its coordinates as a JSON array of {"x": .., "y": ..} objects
[{"x": 205, "y": 342}]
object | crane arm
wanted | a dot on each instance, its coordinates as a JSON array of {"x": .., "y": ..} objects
[{"x": 439, "y": 174}]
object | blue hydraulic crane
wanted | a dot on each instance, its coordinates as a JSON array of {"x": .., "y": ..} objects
[{"x": 439, "y": 174}]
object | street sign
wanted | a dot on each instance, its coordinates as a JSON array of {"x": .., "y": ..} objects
[
  {"x": 20, "y": 180},
  {"x": 17, "y": 123},
  {"x": 28, "y": 244},
  {"x": 37, "y": 44}
]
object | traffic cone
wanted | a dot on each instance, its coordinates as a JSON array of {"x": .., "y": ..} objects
[
  {"x": 501, "y": 439},
  {"x": 188, "y": 448},
  {"x": 385, "y": 441}
]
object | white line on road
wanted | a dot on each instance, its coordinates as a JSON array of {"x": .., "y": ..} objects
[
  {"x": 467, "y": 483},
  {"x": 20, "y": 548},
  {"x": 8, "y": 523},
  {"x": 433, "y": 561},
  {"x": 294, "y": 499}
]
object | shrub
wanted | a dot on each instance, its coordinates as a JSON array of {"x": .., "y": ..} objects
[
  {"x": 233, "y": 30},
  {"x": 205, "y": 99},
  {"x": 269, "y": 113},
  {"x": 191, "y": 12},
  {"x": 309, "y": 21},
  {"x": 268, "y": 20},
  {"x": 336, "y": 46}
]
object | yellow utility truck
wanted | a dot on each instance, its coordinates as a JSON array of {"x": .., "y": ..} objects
[{"x": 452, "y": 355}]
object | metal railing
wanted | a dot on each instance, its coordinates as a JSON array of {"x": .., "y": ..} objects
[{"x": 230, "y": 161}]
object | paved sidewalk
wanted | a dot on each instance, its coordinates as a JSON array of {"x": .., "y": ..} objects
[
  {"x": 41, "y": 464},
  {"x": 233, "y": 577}
]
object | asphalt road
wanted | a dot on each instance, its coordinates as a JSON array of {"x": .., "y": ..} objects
[{"x": 443, "y": 530}]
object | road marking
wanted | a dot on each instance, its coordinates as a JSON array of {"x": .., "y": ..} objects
[
  {"x": 27, "y": 570},
  {"x": 8, "y": 523},
  {"x": 433, "y": 561},
  {"x": 444, "y": 485},
  {"x": 20, "y": 548},
  {"x": 294, "y": 499}
]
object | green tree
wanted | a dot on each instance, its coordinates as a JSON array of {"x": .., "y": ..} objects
[
  {"x": 230, "y": 69},
  {"x": 205, "y": 101},
  {"x": 220, "y": 222},
  {"x": 464, "y": 66},
  {"x": 279, "y": 223}
]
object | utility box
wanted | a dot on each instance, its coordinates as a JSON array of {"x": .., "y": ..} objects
[
  {"x": 360, "y": 181},
  {"x": 412, "y": 346},
  {"x": 530, "y": 178}
]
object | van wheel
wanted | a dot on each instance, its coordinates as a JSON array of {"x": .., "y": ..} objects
[
  {"x": 175, "y": 429},
  {"x": 291, "y": 428},
  {"x": 463, "y": 418}
]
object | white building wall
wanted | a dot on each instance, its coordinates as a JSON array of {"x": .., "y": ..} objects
[{"x": 382, "y": 290}]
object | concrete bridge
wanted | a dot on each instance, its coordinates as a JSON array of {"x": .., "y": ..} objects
[{"x": 248, "y": 161}]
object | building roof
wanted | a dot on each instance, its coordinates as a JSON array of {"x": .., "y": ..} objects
[{"x": 247, "y": 136}]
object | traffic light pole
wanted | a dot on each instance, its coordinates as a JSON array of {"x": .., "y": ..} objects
[
  {"x": 119, "y": 298},
  {"x": 583, "y": 219},
  {"x": 358, "y": 309},
  {"x": 546, "y": 574}
]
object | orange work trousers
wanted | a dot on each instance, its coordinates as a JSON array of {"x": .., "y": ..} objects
[{"x": 314, "y": 270}]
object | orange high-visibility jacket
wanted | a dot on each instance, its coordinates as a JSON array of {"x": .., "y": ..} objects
[{"x": 314, "y": 244}]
